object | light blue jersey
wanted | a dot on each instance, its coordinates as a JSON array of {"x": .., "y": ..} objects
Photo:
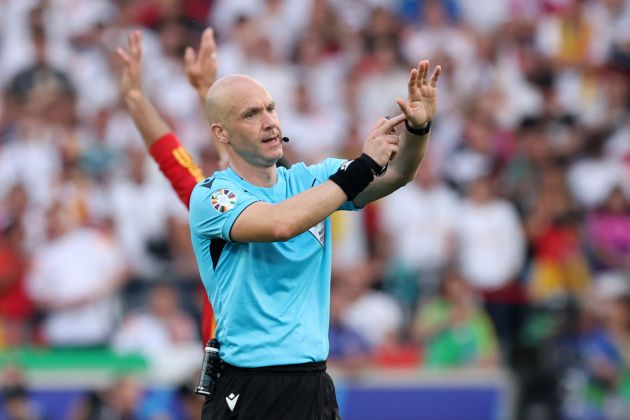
[{"x": 271, "y": 300}]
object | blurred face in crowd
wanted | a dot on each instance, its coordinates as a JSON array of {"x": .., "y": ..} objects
[
  {"x": 479, "y": 136},
  {"x": 385, "y": 54},
  {"x": 302, "y": 100},
  {"x": 455, "y": 289},
  {"x": 17, "y": 200},
  {"x": 481, "y": 190},
  {"x": 309, "y": 49},
  {"x": 433, "y": 13},
  {"x": 164, "y": 301},
  {"x": 381, "y": 22},
  {"x": 618, "y": 313},
  {"x": 263, "y": 51},
  {"x": 58, "y": 221},
  {"x": 616, "y": 202},
  {"x": 246, "y": 33},
  {"x": 243, "y": 115},
  {"x": 535, "y": 145},
  {"x": 125, "y": 395},
  {"x": 173, "y": 38}
]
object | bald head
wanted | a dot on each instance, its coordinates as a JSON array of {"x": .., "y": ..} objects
[{"x": 225, "y": 94}]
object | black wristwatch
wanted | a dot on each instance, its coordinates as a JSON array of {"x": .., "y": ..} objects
[{"x": 418, "y": 131}]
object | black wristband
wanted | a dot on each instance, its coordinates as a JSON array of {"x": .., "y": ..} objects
[
  {"x": 355, "y": 175},
  {"x": 418, "y": 131},
  {"x": 376, "y": 169}
]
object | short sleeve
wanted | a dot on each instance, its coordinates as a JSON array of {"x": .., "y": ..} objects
[
  {"x": 322, "y": 171},
  {"x": 215, "y": 206}
]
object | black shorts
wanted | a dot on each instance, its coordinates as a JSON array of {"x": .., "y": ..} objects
[{"x": 304, "y": 392}]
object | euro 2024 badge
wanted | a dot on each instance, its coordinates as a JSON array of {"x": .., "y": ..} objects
[{"x": 223, "y": 200}]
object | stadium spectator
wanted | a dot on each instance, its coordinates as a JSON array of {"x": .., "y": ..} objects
[
  {"x": 491, "y": 252},
  {"x": 144, "y": 239},
  {"x": 74, "y": 280},
  {"x": 348, "y": 349},
  {"x": 453, "y": 329},
  {"x": 158, "y": 328},
  {"x": 602, "y": 349},
  {"x": 365, "y": 304},
  {"x": 314, "y": 131},
  {"x": 593, "y": 175},
  {"x": 16, "y": 308},
  {"x": 16, "y": 398},
  {"x": 419, "y": 223},
  {"x": 608, "y": 233},
  {"x": 559, "y": 267},
  {"x": 521, "y": 178}
]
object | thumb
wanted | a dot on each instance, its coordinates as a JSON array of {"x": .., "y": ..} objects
[{"x": 404, "y": 107}]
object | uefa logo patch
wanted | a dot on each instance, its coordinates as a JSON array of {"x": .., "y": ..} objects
[{"x": 223, "y": 200}]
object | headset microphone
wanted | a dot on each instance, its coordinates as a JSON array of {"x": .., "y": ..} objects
[{"x": 285, "y": 139}]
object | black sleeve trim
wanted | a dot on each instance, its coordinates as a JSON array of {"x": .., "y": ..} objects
[
  {"x": 239, "y": 214},
  {"x": 208, "y": 183},
  {"x": 216, "y": 248}
]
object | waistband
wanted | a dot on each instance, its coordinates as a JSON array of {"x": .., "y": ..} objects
[{"x": 311, "y": 368}]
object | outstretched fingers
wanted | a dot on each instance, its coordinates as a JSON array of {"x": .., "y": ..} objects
[
  {"x": 123, "y": 55},
  {"x": 423, "y": 71},
  {"x": 412, "y": 84},
  {"x": 135, "y": 45},
  {"x": 436, "y": 75},
  {"x": 189, "y": 57},
  {"x": 208, "y": 48}
]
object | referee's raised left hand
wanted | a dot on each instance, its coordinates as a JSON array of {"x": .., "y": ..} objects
[{"x": 421, "y": 104}]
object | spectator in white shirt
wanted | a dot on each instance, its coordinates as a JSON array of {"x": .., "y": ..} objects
[
  {"x": 592, "y": 177},
  {"x": 74, "y": 278},
  {"x": 419, "y": 223},
  {"x": 491, "y": 250},
  {"x": 158, "y": 328},
  {"x": 143, "y": 237}
]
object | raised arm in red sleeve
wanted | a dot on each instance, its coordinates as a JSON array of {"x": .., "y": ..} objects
[
  {"x": 177, "y": 165},
  {"x": 183, "y": 173}
]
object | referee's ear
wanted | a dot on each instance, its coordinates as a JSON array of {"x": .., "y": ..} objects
[{"x": 219, "y": 133}]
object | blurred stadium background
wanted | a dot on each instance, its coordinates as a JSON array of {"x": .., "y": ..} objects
[{"x": 495, "y": 286}]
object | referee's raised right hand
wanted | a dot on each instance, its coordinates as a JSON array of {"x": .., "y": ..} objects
[{"x": 382, "y": 142}]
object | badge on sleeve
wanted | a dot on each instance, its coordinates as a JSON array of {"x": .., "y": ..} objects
[{"x": 223, "y": 200}]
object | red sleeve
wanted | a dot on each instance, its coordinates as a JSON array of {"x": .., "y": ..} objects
[
  {"x": 176, "y": 165},
  {"x": 207, "y": 320}
]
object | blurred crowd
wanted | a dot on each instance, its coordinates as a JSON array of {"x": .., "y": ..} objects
[{"x": 511, "y": 248}]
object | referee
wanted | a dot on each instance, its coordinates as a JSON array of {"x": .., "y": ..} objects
[{"x": 262, "y": 240}]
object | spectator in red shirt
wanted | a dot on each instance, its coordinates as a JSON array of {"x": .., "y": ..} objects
[{"x": 15, "y": 306}]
